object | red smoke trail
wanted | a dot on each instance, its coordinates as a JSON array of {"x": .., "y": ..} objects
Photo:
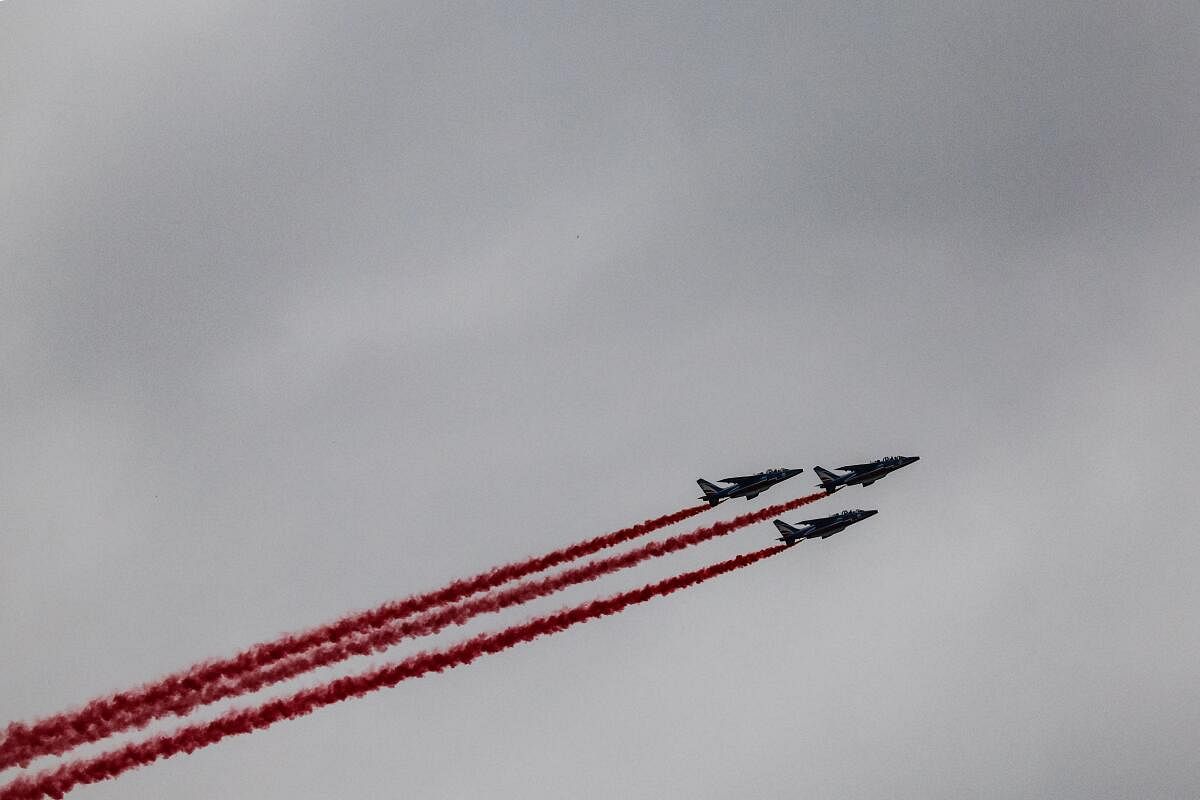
[
  {"x": 364, "y": 643},
  {"x": 59, "y": 733},
  {"x": 54, "y": 783}
]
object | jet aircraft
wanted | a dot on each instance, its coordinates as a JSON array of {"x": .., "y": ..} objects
[
  {"x": 863, "y": 474},
  {"x": 822, "y": 527},
  {"x": 747, "y": 486}
]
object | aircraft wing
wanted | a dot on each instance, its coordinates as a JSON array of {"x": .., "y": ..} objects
[
  {"x": 858, "y": 467},
  {"x": 740, "y": 479}
]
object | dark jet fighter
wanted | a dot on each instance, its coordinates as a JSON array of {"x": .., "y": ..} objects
[
  {"x": 864, "y": 474},
  {"x": 747, "y": 486},
  {"x": 823, "y": 527}
]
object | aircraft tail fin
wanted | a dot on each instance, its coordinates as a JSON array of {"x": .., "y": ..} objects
[
  {"x": 829, "y": 481},
  {"x": 711, "y": 492},
  {"x": 789, "y": 535}
]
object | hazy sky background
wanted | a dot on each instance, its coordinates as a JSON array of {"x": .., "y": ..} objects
[{"x": 306, "y": 306}]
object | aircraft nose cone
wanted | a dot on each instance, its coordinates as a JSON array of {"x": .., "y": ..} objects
[
  {"x": 871, "y": 513},
  {"x": 911, "y": 459}
]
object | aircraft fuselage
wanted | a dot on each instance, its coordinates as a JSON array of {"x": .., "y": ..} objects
[
  {"x": 748, "y": 486},
  {"x": 864, "y": 474},
  {"x": 820, "y": 528}
]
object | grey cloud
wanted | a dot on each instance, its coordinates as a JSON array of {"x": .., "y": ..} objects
[{"x": 307, "y": 307}]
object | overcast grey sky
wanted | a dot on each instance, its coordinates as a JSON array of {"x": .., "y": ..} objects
[{"x": 306, "y": 306}]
